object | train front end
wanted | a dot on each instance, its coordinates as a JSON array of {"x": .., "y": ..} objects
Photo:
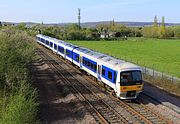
[
  {"x": 129, "y": 81},
  {"x": 131, "y": 84}
]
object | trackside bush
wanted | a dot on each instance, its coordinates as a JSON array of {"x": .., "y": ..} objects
[
  {"x": 19, "y": 110},
  {"x": 18, "y": 97}
]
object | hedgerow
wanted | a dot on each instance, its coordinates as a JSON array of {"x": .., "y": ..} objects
[{"x": 18, "y": 97}]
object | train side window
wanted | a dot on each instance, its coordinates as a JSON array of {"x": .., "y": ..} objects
[
  {"x": 110, "y": 75},
  {"x": 42, "y": 40},
  {"x": 88, "y": 64},
  {"x": 115, "y": 75},
  {"x": 51, "y": 44},
  {"x": 47, "y": 42},
  {"x": 62, "y": 50},
  {"x": 95, "y": 67},
  {"x": 103, "y": 71},
  {"x": 67, "y": 53},
  {"x": 77, "y": 58},
  {"x": 83, "y": 62},
  {"x": 91, "y": 65},
  {"x": 99, "y": 69},
  {"x": 55, "y": 46},
  {"x": 59, "y": 48}
]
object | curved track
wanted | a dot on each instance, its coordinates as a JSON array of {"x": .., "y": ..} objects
[{"x": 107, "y": 109}]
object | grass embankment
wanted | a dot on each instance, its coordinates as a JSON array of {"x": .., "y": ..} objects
[
  {"x": 158, "y": 54},
  {"x": 17, "y": 97}
]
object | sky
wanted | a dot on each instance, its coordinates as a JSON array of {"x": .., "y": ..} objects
[{"x": 63, "y": 11}]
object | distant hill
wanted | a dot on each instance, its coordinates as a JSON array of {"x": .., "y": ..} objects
[{"x": 94, "y": 24}]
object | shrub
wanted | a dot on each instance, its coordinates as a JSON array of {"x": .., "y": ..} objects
[
  {"x": 20, "y": 110},
  {"x": 16, "y": 53}
]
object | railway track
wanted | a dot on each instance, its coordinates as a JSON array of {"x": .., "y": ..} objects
[
  {"x": 105, "y": 112},
  {"x": 108, "y": 109}
]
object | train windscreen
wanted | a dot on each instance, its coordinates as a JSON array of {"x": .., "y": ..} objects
[{"x": 128, "y": 78}]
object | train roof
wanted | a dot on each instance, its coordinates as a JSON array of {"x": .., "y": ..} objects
[
  {"x": 108, "y": 59},
  {"x": 70, "y": 45},
  {"x": 116, "y": 63},
  {"x": 50, "y": 38}
]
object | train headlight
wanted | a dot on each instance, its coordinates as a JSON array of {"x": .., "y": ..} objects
[
  {"x": 124, "y": 88},
  {"x": 139, "y": 87}
]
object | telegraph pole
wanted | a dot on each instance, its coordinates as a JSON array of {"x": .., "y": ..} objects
[{"x": 79, "y": 18}]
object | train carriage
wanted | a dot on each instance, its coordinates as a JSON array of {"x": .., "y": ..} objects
[
  {"x": 60, "y": 49},
  {"x": 68, "y": 51},
  {"x": 56, "y": 43}
]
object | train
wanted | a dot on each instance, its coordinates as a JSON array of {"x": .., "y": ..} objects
[{"x": 124, "y": 78}]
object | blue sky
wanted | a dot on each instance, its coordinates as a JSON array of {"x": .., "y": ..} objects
[{"x": 59, "y": 11}]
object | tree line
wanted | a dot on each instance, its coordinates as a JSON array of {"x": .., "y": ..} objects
[{"x": 111, "y": 31}]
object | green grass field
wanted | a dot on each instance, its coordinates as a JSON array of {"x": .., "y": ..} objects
[{"x": 162, "y": 55}]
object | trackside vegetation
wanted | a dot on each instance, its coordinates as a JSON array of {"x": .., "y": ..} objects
[{"x": 18, "y": 103}]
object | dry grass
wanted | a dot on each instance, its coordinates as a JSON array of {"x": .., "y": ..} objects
[{"x": 164, "y": 83}]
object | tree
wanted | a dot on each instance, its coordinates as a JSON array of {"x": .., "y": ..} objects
[
  {"x": 155, "y": 22},
  {"x": 0, "y": 23},
  {"x": 21, "y": 26},
  {"x": 177, "y": 31},
  {"x": 113, "y": 22},
  {"x": 163, "y": 29},
  {"x": 155, "y": 28}
]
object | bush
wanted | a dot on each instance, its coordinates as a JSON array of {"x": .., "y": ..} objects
[
  {"x": 19, "y": 102},
  {"x": 20, "y": 110}
]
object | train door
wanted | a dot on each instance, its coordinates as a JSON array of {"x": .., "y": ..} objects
[
  {"x": 64, "y": 52},
  {"x": 99, "y": 72},
  {"x": 80, "y": 61}
]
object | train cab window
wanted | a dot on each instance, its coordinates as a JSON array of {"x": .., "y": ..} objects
[
  {"x": 128, "y": 78},
  {"x": 110, "y": 75},
  {"x": 103, "y": 71}
]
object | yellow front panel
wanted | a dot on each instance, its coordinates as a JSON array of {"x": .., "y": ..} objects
[{"x": 131, "y": 88}]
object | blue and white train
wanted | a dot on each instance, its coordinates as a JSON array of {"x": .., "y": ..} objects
[{"x": 123, "y": 77}]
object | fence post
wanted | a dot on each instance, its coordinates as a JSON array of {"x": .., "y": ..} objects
[
  {"x": 172, "y": 79},
  {"x": 153, "y": 70}
]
